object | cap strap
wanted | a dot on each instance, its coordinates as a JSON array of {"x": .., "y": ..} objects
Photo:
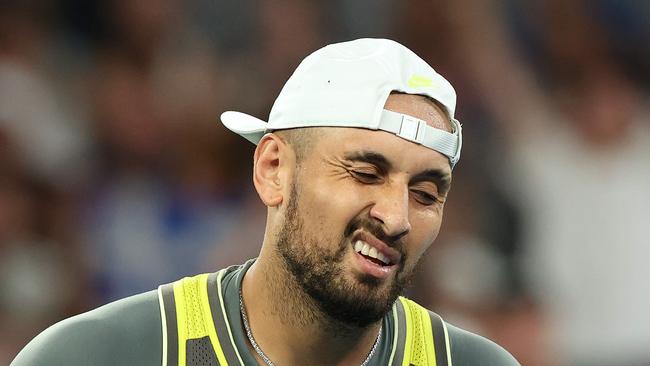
[{"x": 418, "y": 131}]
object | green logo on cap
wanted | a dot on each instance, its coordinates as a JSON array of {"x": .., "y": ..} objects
[{"x": 418, "y": 81}]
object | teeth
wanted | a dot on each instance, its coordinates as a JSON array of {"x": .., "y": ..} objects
[
  {"x": 365, "y": 249},
  {"x": 357, "y": 246}
]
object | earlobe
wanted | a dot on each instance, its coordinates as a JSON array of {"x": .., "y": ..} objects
[{"x": 266, "y": 170}]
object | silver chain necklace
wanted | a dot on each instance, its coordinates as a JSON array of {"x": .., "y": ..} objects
[{"x": 266, "y": 359}]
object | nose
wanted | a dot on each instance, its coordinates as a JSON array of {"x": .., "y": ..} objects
[{"x": 392, "y": 209}]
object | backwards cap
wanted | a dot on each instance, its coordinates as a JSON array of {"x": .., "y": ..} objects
[{"x": 346, "y": 85}]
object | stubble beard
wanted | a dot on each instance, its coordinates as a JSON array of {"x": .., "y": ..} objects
[{"x": 318, "y": 270}]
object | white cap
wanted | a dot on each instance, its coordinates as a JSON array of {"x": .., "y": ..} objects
[{"x": 346, "y": 85}]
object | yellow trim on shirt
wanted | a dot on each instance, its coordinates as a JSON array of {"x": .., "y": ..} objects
[{"x": 209, "y": 321}]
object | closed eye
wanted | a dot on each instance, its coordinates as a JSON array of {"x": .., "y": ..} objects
[
  {"x": 364, "y": 177},
  {"x": 424, "y": 198}
]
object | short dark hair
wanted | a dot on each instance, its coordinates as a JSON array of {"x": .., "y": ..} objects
[{"x": 300, "y": 140}]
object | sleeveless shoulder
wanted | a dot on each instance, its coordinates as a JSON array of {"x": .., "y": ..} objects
[
  {"x": 469, "y": 349},
  {"x": 125, "y": 332}
]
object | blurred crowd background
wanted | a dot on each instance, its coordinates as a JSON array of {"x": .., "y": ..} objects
[{"x": 115, "y": 175}]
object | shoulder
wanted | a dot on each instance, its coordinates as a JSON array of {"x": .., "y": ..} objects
[
  {"x": 469, "y": 349},
  {"x": 127, "y": 331},
  {"x": 465, "y": 348}
]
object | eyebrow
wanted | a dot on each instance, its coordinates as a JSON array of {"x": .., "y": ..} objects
[
  {"x": 440, "y": 177},
  {"x": 370, "y": 157}
]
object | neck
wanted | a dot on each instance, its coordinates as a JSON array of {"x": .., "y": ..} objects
[{"x": 290, "y": 328}]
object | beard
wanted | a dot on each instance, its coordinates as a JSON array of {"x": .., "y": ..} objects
[{"x": 318, "y": 269}]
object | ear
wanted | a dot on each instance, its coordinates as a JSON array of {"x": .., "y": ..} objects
[{"x": 270, "y": 169}]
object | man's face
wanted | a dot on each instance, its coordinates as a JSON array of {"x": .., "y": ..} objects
[{"x": 364, "y": 206}]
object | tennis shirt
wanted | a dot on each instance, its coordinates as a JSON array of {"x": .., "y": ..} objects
[{"x": 143, "y": 330}]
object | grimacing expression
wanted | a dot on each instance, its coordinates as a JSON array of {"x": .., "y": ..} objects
[{"x": 362, "y": 184}]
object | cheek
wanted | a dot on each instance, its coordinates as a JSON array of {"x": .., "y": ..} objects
[
  {"x": 425, "y": 227},
  {"x": 328, "y": 208}
]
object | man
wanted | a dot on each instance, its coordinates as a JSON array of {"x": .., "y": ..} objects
[{"x": 354, "y": 166}]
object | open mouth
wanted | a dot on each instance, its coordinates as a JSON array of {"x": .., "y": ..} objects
[
  {"x": 373, "y": 256},
  {"x": 371, "y": 253}
]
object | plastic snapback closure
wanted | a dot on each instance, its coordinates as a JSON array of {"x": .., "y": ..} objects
[{"x": 410, "y": 128}]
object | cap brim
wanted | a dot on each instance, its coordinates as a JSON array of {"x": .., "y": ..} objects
[{"x": 245, "y": 125}]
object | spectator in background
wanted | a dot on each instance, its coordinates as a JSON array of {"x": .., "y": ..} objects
[
  {"x": 42, "y": 157},
  {"x": 35, "y": 114},
  {"x": 40, "y": 278},
  {"x": 166, "y": 185},
  {"x": 577, "y": 162}
]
